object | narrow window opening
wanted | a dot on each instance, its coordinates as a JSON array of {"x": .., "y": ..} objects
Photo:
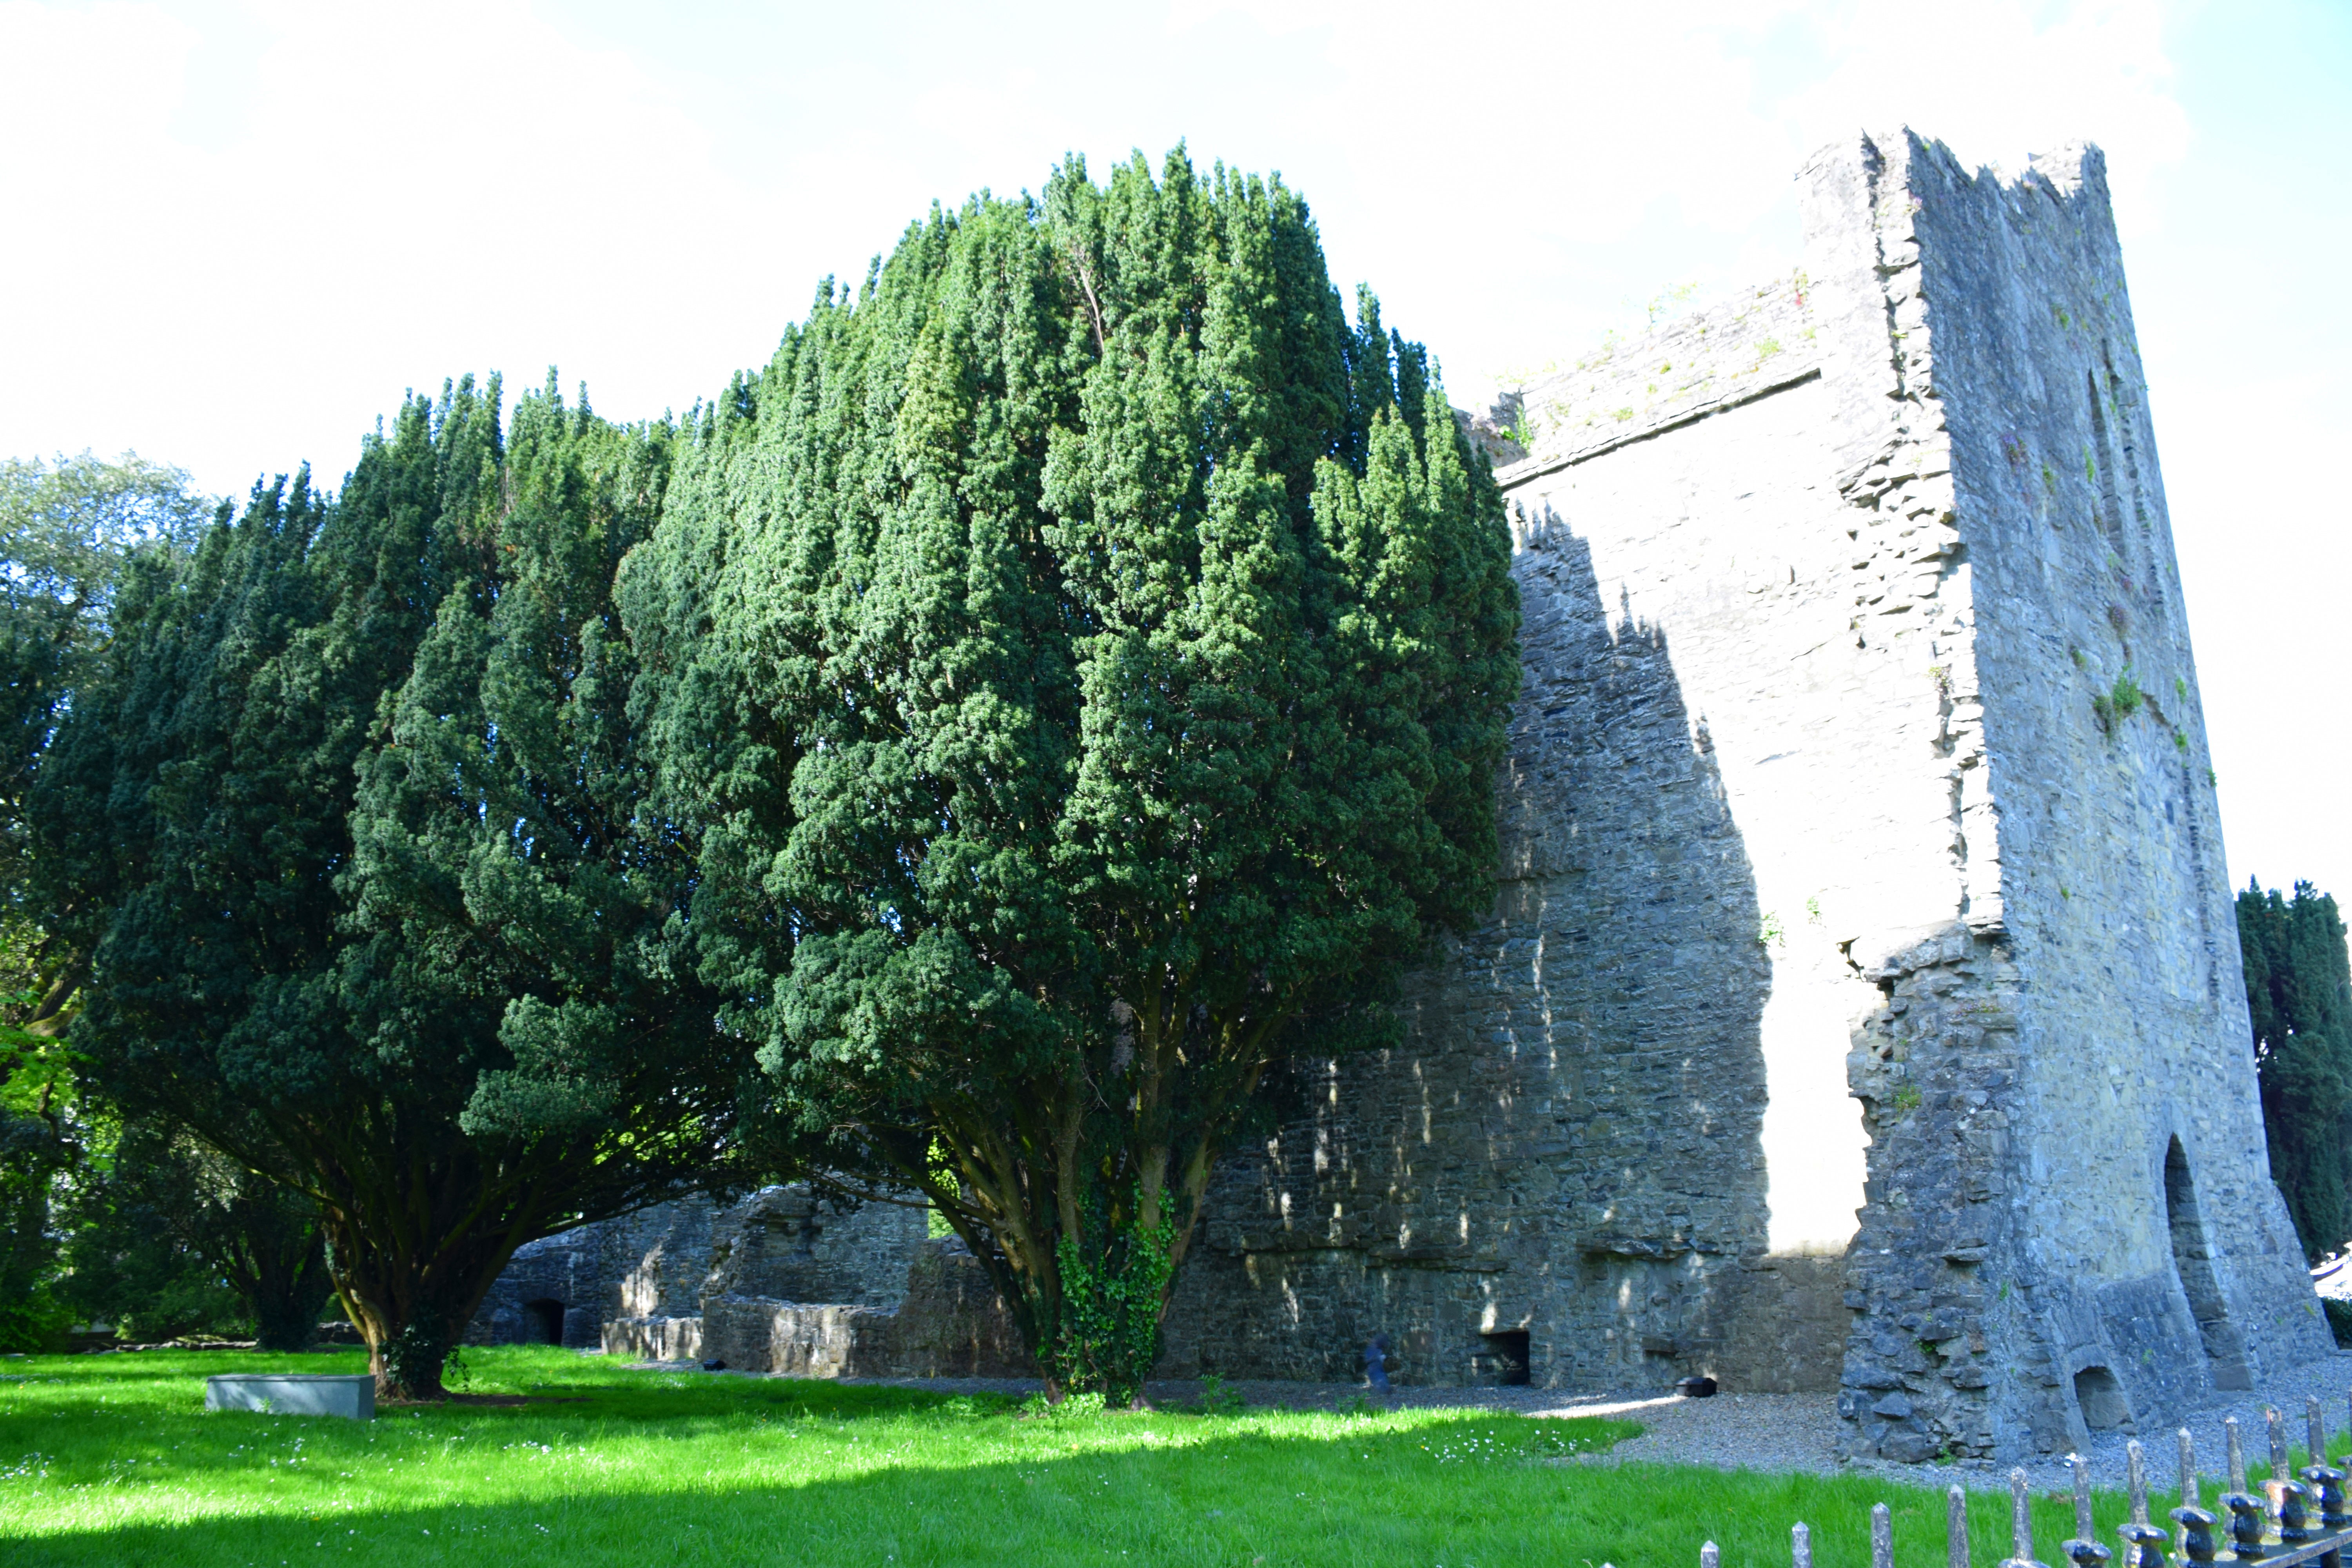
[
  {"x": 2193, "y": 1260},
  {"x": 2099, "y": 464},
  {"x": 2120, "y": 399}
]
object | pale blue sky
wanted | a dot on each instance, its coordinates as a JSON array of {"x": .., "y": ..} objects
[{"x": 241, "y": 229}]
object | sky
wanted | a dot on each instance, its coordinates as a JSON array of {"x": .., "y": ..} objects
[{"x": 240, "y": 232}]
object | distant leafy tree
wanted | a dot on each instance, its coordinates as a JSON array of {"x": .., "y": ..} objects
[
  {"x": 173, "y": 1238},
  {"x": 130, "y": 1265},
  {"x": 1083, "y": 659},
  {"x": 68, "y": 531},
  {"x": 381, "y": 918},
  {"x": 2299, "y": 990}
]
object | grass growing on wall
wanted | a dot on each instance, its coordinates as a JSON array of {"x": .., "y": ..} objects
[{"x": 112, "y": 1459}]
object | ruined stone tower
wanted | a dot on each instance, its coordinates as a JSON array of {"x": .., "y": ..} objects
[{"x": 1861, "y": 1007}]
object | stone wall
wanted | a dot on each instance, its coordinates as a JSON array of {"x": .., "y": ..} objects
[
  {"x": 786, "y": 1280},
  {"x": 562, "y": 1288},
  {"x": 946, "y": 1322},
  {"x": 1855, "y": 981},
  {"x": 650, "y": 1271},
  {"x": 2070, "y": 1208},
  {"x": 791, "y": 1244},
  {"x": 1577, "y": 1140},
  {"x": 822, "y": 1287}
]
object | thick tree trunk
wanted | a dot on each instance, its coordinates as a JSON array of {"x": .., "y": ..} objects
[
  {"x": 1029, "y": 1187},
  {"x": 415, "y": 1250},
  {"x": 412, "y": 1321},
  {"x": 408, "y": 1344}
]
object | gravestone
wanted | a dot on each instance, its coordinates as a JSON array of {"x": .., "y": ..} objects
[{"x": 294, "y": 1394}]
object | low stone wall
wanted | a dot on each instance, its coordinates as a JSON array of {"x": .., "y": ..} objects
[
  {"x": 789, "y": 1243},
  {"x": 559, "y": 1289},
  {"x": 949, "y": 1323},
  {"x": 759, "y": 1334},
  {"x": 793, "y": 1244},
  {"x": 953, "y": 1324},
  {"x": 654, "y": 1339}
]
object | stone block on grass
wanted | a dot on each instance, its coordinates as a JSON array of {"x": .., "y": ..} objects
[{"x": 294, "y": 1394}]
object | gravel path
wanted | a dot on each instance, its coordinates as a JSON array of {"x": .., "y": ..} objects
[
  {"x": 2329, "y": 1379},
  {"x": 1784, "y": 1432}
]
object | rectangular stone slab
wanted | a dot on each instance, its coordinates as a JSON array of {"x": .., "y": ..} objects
[{"x": 294, "y": 1394}]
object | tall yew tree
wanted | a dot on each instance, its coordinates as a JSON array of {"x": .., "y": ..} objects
[
  {"x": 1082, "y": 659},
  {"x": 383, "y": 916},
  {"x": 2299, "y": 990}
]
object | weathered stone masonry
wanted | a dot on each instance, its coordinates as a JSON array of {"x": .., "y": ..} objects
[
  {"x": 786, "y": 1280},
  {"x": 1861, "y": 1007},
  {"x": 1828, "y": 887}
]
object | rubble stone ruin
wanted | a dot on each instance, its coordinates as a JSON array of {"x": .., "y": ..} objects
[{"x": 1861, "y": 1008}]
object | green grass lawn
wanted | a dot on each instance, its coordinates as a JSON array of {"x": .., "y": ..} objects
[{"x": 113, "y": 1459}]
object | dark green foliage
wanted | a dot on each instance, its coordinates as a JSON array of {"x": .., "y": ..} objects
[
  {"x": 1112, "y": 1299},
  {"x": 2299, "y": 990},
  {"x": 129, "y": 1263},
  {"x": 44, "y": 1138},
  {"x": 1082, "y": 659},
  {"x": 44, "y": 1147},
  {"x": 375, "y": 911},
  {"x": 176, "y": 1238},
  {"x": 2339, "y": 1322}
]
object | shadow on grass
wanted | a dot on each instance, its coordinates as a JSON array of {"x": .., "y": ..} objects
[{"x": 659, "y": 1469}]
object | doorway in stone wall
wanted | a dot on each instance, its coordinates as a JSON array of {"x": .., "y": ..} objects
[
  {"x": 545, "y": 1320},
  {"x": 1502, "y": 1359},
  {"x": 2192, "y": 1259},
  {"x": 2102, "y": 1401}
]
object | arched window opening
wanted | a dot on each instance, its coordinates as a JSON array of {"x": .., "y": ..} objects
[{"x": 2101, "y": 1400}]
